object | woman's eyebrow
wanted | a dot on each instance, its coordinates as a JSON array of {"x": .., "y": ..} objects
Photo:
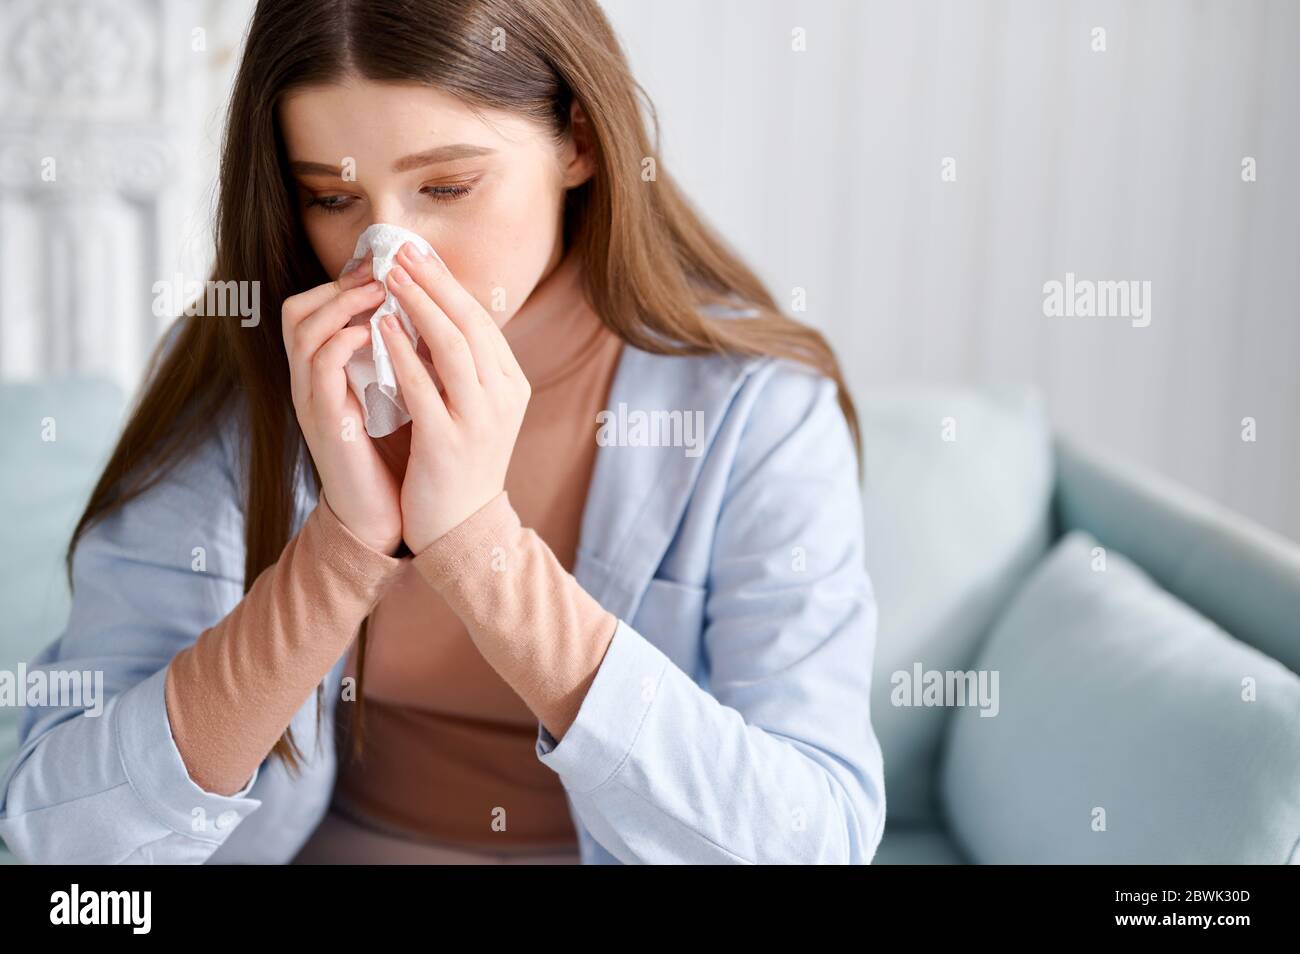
[
  {"x": 418, "y": 160},
  {"x": 460, "y": 150}
]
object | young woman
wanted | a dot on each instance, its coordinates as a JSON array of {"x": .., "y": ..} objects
[{"x": 602, "y": 599}]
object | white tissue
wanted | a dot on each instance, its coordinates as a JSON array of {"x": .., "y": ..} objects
[{"x": 370, "y": 369}]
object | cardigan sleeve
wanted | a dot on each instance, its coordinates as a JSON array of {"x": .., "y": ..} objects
[
  {"x": 102, "y": 780},
  {"x": 231, "y": 693},
  {"x": 777, "y": 761}
]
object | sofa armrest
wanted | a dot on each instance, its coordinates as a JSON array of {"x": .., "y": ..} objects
[{"x": 1239, "y": 574}]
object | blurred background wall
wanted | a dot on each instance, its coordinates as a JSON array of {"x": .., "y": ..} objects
[{"x": 905, "y": 176}]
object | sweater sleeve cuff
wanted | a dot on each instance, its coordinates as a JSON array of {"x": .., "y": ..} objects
[
  {"x": 471, "y": 542},
  {"x": 364, "y": 565},
  {"x": 529, "y": 617}
]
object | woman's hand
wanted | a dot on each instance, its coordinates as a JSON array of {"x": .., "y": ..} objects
[
  {"x": 359, "y": 486},
  {"x": 461, "y": 443}
]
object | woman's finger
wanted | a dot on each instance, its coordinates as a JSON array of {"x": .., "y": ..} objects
[
  {"x": 506, "y": 356},
  {"x": 303, "y": 340},
  {"x": 329, "y": 381},
  {"x": 333, "y": 315},
  {"x": 418, "y": 390},
  {"x": 462, "y": 308},
  {"x": 452, "y": 357},
  {"x": 299, "y": 307},
  {"x": 360, "y": 274}
]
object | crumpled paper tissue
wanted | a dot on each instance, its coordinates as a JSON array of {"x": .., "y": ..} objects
[{"x": 370, "y": 369}]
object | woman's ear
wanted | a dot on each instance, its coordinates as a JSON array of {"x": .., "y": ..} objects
[{"x": 580, "y": 154}]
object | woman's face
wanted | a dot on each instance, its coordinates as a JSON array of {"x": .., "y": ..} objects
[{"x": 487, "y": 194}]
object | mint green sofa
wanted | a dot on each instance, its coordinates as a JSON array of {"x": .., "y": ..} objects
[
  {"x": 1146, "y": 641},
  {"x": 44, "y": 484}
]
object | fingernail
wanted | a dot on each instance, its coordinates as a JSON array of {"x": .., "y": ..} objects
[
  {"x": 390, "y": 322},
  {"x": 414, "y": 253},
  {"x": 375, "y": 286},
  {"x": 398, "y": 274}
]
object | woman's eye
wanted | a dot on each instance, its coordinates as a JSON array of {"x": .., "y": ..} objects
[
  {"x": 448, "y": 193},
  {"x": 329, "y": 203},
  {"x": 339, "y": 203}
]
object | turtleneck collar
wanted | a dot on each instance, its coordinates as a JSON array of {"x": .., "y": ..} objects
[{"x": 555, "y": 329}]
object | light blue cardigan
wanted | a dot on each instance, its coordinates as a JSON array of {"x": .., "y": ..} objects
[{"x": 729, "y": 721}]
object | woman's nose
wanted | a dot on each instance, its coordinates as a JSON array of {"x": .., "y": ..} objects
[{"x": 390, "y": 210}]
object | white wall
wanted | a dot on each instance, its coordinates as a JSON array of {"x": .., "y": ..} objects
[
  {"x": 108, "y": 152},
  {"x": 823, "y": 167}
]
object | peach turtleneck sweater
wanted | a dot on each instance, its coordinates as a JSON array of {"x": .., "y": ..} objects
[{"x": 471, "y": 642}]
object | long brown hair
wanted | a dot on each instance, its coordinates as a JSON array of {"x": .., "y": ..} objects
[{"x": 651, "y": 263}]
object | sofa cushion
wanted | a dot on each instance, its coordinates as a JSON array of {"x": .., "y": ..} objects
[
  {"x": 952, "y": 528},
  {"x": 1129, "y": 729}
]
